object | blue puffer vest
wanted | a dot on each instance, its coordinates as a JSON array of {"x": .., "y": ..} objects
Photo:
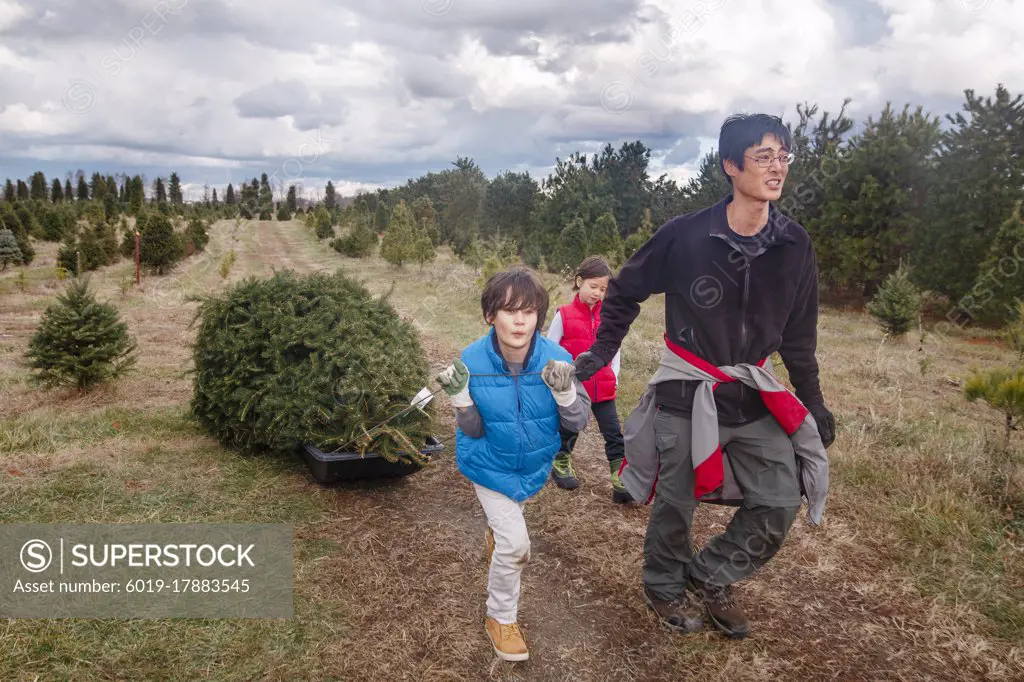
[{"x": 520, "y": 417}]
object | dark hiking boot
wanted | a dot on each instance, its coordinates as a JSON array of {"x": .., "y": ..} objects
[
  {"x": 619, "y": 493},
  {"x": 562, "y": 473},
  {"x": 678, "y": 615},
  {"x": 725, "y": 614}
]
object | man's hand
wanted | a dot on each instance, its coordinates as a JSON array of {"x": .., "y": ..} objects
[
  {"x": 587, "y": 365},
  {"x": 454, "y": 379},
  {"x": 826, "y": 424},
  {"x": 560, "y": 378}
]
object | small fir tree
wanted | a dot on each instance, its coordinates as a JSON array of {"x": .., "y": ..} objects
[
  {"x": 1003, "y": 390},
  {"x": 897, "y": 304},
  {"x": 80, "y": 342},
  {"x": 9, "y": 250}
]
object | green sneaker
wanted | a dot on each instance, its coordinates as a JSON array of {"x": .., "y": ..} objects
[
  {"x": 562, "y": 473},
  {"x": 619, "y": 493}
]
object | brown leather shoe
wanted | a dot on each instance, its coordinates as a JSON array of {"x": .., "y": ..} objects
[
  {"x": 678, "y": 615},
  {"x": 725, "y": 614},
  {"x": 508, "y": 640}
]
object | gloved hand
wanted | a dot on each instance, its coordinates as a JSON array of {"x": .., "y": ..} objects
[
  {"x": 587, "y": 364},
  {"x": 454, "y": 379},
  {"x": 560, "y": 378},
  {"x": 826, "y": 424}
]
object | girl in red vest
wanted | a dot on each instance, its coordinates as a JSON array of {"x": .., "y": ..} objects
[{"x": 574, "y": 327}]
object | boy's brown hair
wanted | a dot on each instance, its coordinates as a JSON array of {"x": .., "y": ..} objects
[
  {"x": 518, "y": 288},
  {"x": 591, "y": 267}
]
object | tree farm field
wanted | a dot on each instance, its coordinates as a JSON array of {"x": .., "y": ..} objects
[{"x": 918, "y": 572}]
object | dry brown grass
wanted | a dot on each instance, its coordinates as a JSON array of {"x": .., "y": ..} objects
[{"x": 914, "y": 576}]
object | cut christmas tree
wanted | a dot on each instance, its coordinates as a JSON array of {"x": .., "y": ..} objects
[{"x": 314, "y": 360}]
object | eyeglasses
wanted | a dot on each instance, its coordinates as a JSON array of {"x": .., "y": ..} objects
[{"x": 765, "y": 160}]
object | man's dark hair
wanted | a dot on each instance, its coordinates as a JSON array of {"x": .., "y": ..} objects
[
  {"x": 518, "y": 288},
  {"x": 590, "y": 268},
  {"x": 742, "y": 131}
]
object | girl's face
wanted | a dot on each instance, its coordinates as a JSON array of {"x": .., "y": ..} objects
[
  {"x": 514, "y": 329},
  {"x": 593, "y": 290}
]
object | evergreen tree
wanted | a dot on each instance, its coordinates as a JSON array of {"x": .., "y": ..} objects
[
  {"x": 83, "y": 187},
  {"x": 330, "y": 199},
  {"x": 56, "y": 192},
  {"x": 426, "y": 218},
  {"x": 509, "y": 207},
  {"x": 9, "y": 192},
  {"x": 10, "y": 220},
  {"x": 875, "y": 205},
  {"x": 897, "y": 304},
  {"x": 573, "y": 246},
  {"x": 624, "y": 173},
  {"x": 977, "y": 178},
  {"x": 136, "y": 195},
  {"x": 398, "y": 246},
  {"x": 38, "y": 189},
  {"x": 292, "y": 200},
  {"x": 283, "y": 214},
  {"x": 323, "y": 224},
  {"x": 266, "y": 198},
  {"x": 10, "y": 252},
  {"x": 159, "y": 192},
  {"x": 423, "y": 247},
  {"x": 215, "y": 202},
  {"x": 229, "y": 195},
  {"x": 816, "y": 144},
  {"x": 80, "y": 341},
  {"x": 380, "y": 218},
  {"x": 106, "y": 236},
  {"x": 158, "y": 245},
  {"x": 174, "y": 190},
  {"x": 605, "y": 240},
  {"x": 68, "y": 195},
  {"x": 640, "y": 237},
  {"x": 22, "y": 191},
  {"x": 1003, "y": 390},
  {"x": 1000, "y": 285}
]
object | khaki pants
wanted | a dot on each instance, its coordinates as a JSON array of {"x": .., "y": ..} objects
[{"x": 511, "y": 553}]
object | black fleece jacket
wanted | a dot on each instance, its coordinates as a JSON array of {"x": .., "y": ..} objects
[{"x": 728, "y": 299}]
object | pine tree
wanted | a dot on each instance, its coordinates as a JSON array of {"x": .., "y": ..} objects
[
  {"x": 9, "y": 192},
  {"x": 229, "y": 195},
  {"x": 1000, "y": 284},
  {"x": 380, "y": 218},
  {"x": 39, "y": 186},
  {"x": 283, "y": 214},
  {"x": 160, "y": 192},
  {"x": 80, "y": 341},
  {"x": 605, "y": 240},
  {"x": 56, "y": 192},
  {"x": 22, "y": 192},
  {"x": 292, "y": 200},
  {"x": 106, "y": 235},
  {"x": 10, "y": 252},
  {"x": 399, "y": 244},
  {"x": 266, "y": 199},
  {"x": 68, "y": 195},
  {"x": 330, "y": 198},
  {"x": 1003, "y": 390},
  {"x": 573, "y": 245},
  {"x": 136, "y": 195},
  {"x": 897, "y": 304},
  {"x": 83, "y": 187},
  {"x": 322, "y": 223},
  {"x": 9, "y": 219},
  {"x": 215, "y": 202},
  {"x": 158, "y": 245},
  {"x": 640, "y": 237},
  {"x": 195, "y": 234},
  {"x": 423, "y": 246},
  {"x": 174, "y": 190}
]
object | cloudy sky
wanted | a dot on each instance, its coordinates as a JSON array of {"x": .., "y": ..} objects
[{"x": 372, "y": 92}]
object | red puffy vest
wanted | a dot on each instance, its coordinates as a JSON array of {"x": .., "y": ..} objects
[{"x": 579, "y": 331}]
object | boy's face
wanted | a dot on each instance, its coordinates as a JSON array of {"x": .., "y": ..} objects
[
  {"x": 514, "y": 329},
  {"x": 755, "y": 181}
]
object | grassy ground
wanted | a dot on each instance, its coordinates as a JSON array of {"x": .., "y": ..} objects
[{"x": 918, "y": 572}]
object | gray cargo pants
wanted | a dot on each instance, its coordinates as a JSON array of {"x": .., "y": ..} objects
[{"x": 764, "y": 464}]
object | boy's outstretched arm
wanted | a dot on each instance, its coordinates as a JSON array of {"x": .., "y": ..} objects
[
  {"x": 454, "y": 379},
  {"x": 576, "y": 416},
  {"x": 570, "y": 396}
]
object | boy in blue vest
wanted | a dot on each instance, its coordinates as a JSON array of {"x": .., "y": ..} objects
[{"x": 511, "y": 390}]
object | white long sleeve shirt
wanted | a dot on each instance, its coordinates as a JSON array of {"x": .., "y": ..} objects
[{"x": 556, "y": 331}]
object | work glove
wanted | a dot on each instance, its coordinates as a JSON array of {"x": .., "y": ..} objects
[
  {"x": 587, "y": 364},
  {"x": 454, "y": 379},
  {"x": 826, "y": 424},
  {"x": 560, "y": 377}
]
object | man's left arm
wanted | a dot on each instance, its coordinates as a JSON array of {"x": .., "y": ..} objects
[{"x": 799, "y": 345}]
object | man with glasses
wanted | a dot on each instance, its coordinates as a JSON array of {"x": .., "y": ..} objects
[{"x": 740, "y": 282}]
